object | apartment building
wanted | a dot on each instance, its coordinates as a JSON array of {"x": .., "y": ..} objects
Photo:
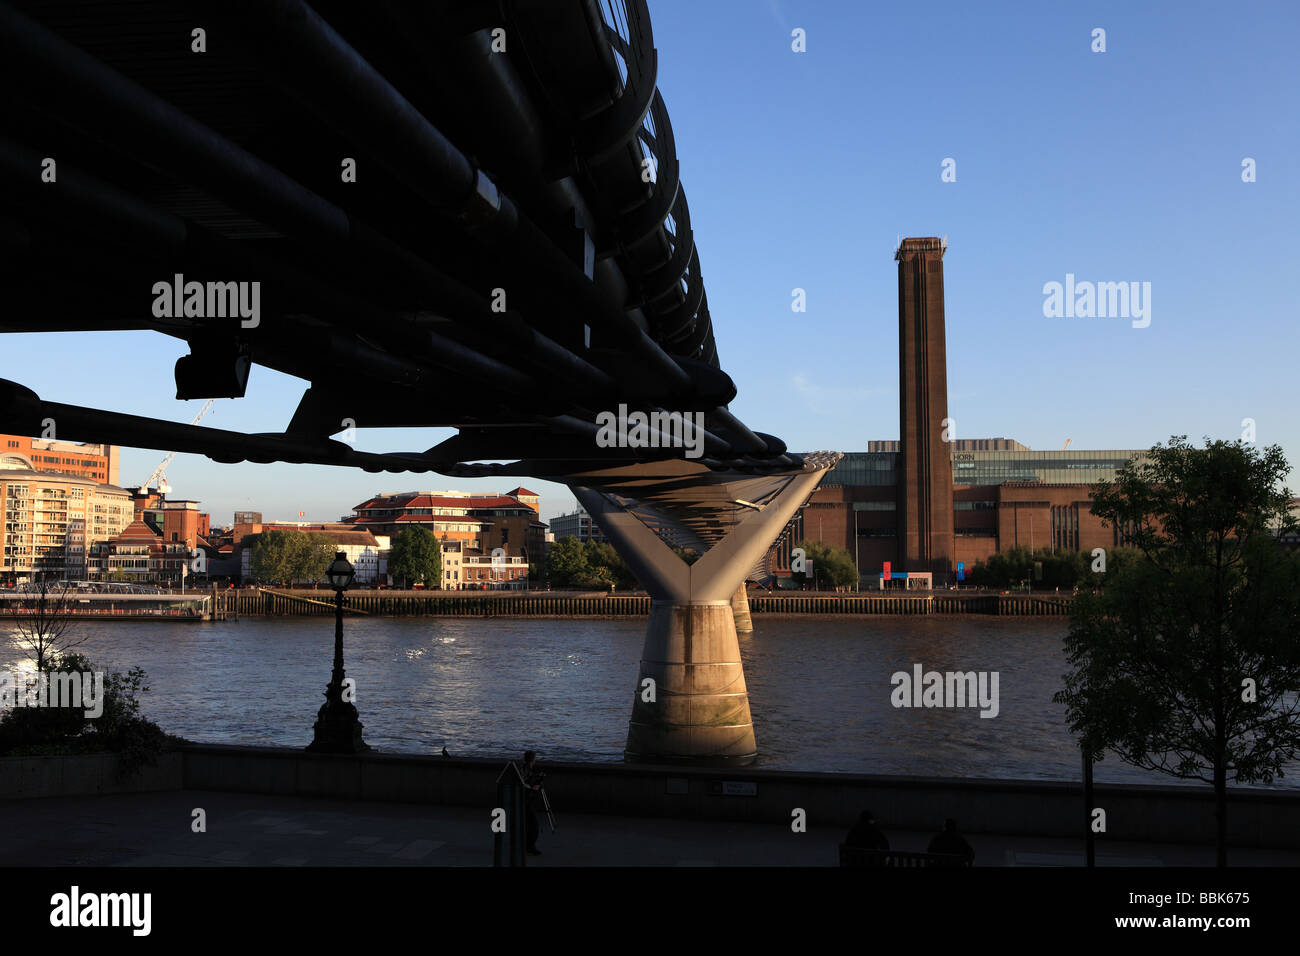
[{"x": 52, "y": 521}]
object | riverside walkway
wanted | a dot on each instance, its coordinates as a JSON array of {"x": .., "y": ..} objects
[{"x": 154, "y": 829}]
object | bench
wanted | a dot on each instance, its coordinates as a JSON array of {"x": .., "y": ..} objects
[{"x": 860, "y": 856}]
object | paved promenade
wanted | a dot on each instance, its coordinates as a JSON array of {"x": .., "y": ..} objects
[{"x": 154, "y": 829}]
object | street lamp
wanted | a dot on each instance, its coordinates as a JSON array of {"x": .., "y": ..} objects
[
  {"x": 341, "y": 575},
  {"x": 338, "y": 728}
]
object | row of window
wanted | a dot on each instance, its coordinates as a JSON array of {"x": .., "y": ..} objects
[
  {"x": 476, "y": 574},
  {"x": 55, "y": 460}
]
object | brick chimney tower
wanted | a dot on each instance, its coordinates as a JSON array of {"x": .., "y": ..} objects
[{"x": 925, "y": 504}]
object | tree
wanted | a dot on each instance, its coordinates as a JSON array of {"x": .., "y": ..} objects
[
  {"x": 416, "y": 556},
  {"x": 606, "y": 566},
  {"x": 832, "y": 567},
  {"x": 312, "y": 554},
  {"x": 289, "y": 555},
  {"x": 273, "y": 556},
  {"x": 44, "y": 616},
  {"x": 1016, "y": 566},
  {"x": 567, "y": 563},
  {"x": 1185, "y": 659}
]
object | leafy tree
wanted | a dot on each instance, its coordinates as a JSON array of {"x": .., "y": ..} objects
[
  {"x": 289, "y": 555},
  {"x": 273, "y": 556},
  {"x": 1063, "y": 569},
  {"x": 832, "y": 567},
  {"x": 312, "y": 556},
  {"x": 416, "y": 556},
  {"x": 567, "y": 563},
  {"x": 606, "y": 566},
  {"x": 598, "y": 579},
  {"x": 1185, "y": 660}
]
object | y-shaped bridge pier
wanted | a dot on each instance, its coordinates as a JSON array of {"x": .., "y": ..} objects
[{"x": 690, "y": 703}]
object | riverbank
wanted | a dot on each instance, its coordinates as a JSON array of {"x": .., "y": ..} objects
[{"x": 264, "y": 602}]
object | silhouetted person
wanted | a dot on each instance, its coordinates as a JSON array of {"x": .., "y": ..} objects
[
  {"x": 951, "y": 842},
  {"x": 532, "y": 799},
  {"x": 866, "y": 834},
  {"x": 444, "y": 752}
]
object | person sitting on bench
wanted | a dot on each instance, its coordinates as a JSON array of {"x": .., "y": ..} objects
[
  {"x": 866, "y": 834},
  {"x": 951, "y": 842}
]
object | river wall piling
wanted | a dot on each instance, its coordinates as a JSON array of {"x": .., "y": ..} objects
[{"x": 265, "y": 602}]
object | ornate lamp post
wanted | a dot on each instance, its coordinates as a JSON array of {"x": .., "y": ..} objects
[{"x": 338, "y": 728}]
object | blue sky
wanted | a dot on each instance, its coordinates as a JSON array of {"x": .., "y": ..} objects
[{"x": 802, "y": 169}]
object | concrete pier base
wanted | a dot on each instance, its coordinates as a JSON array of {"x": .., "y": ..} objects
[
  {"x": 700, "y": 707},
  {"x": 699, "y": 710},
  {"x": 740, "y": 611}
]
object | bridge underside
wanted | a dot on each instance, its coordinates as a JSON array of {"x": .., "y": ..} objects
[
  {"x": 690, "y": 703},
  {"x": 457, "y": 214}
]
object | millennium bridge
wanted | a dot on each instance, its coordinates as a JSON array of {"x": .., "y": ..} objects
[{"x": 380, "y": 199}]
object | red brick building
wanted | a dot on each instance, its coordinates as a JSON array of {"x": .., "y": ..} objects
[
  {"x": 481, "y": 522},
  {"x": 141, "y": 555},
  {"x": 929, "y": 502}
]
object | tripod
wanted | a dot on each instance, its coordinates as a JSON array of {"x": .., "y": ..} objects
[{"x": 546, "y": 803}]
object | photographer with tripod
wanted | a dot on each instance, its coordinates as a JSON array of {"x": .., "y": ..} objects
[{"x": 536, "y": 798}]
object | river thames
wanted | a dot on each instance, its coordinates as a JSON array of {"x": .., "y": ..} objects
[{"x": 819, "y": 688}]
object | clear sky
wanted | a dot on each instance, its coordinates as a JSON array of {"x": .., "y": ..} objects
[{"x": 803, "y": 169}]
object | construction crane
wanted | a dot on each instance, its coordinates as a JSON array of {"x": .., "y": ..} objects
[{"x": 160, "y": 473}]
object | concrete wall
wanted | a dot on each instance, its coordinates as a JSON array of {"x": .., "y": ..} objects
[
  {"x": 1262, "y": 818},
  {"x": 30, "y": 777}
]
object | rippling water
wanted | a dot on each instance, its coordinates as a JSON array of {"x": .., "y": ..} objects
[{"x": 819, "y": 688}]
